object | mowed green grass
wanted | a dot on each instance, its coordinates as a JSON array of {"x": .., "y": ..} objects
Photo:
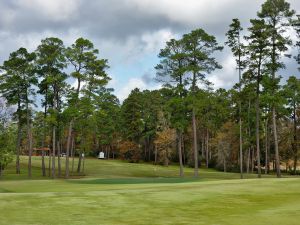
[{"x": 116, "y": 192}]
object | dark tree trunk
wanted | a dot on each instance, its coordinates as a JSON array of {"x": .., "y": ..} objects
[
  {"x": 44, "y": 136},
  {"x": 252, "y": 160},
  {"x": 196, "y": 171},
  {"x": 181, "y": 174},
  {"x": 248, "y": 160},
  {"x": 18, "y": 147},
  {"x": 276, "y": 143},
  {"x": 73, "y": 153},
  {"x": 207, "y": 149},
  {"x": 257, "y": 107},
  {"x": 266, "y": 148},
  {"x": 53, "y": 152},
  {"x": 79, "y": 163},
  {"x": 58, "y": 158},
  {"x": 295, "y": 144},
  {"x": 29, "y": 137},
  {"x": 67, "y": 170}
]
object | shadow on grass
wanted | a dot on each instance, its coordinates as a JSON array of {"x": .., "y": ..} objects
[{"x": 136, "y": 181}]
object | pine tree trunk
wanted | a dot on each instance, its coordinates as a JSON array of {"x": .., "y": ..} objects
[
  {"x": 29, "y": 137},
  {"x": 79, "y": 163},
  {"x": 18, "y": 147},
  {"x": 44, "y": 137},
  {"x": 196, "y": 171},
  {"x": 252, "y": 160},
  {"x": 58, "y": 158},
  {"x": 241, "y": 142},
  {"x": 276, "y": 143},
  {"x": 266, "y": 147},
  {"x": 207, "y": 149},
  {"x": 181, "y": 174},
  {"x": 240, "y": 113},
  {"x": 49, "y": 163},
  {"x": 257, "y": 138},
  {"x": 295, "y": 144},
  {"x": 43, "y": 164},
  {"x": 53, "y": 152},
  {"x": 248, "y": 160},
  {"x": 83, "y": 161},
  {"x": 183, "y": 150},
  {"x": 73, "y": 154},
  {"x": 67, "y": 170}
]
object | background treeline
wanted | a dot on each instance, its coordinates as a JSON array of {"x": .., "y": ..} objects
[{"x": 252, "y": 127}]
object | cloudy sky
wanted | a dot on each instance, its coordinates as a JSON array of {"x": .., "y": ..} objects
[{"x": 129, "y": 33}]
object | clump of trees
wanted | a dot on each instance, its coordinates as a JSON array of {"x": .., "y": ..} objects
[{"x": 252, "y": 127}]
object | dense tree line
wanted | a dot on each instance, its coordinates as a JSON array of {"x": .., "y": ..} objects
[{"x": 252, "y": 127}]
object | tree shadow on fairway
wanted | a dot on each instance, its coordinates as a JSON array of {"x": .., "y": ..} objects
[{"x": 160, "y": 180}]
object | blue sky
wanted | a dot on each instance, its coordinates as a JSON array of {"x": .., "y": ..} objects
[{"x": 129, "y": 33}]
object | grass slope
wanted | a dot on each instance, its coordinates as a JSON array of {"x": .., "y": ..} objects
[{"x": 121, "y": 193}]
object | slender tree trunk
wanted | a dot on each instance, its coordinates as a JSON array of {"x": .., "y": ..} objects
[
  {"x": 207, "y": 149},
  {"x": 295, "y": 144},
  {"x": 18, "y": 147},
  {"x": 274, "y": 47},
  {"x": 240, "y": 112},
  {"x": 257, "y": 107},
  {"x": 67, "y": 170},
  {"x": 73, "y": 154},
  {"x": 79, "y": 163},
  {"x": 257, "y": 137},
  {"x": 196, "y": 171},
  {"x": 58, "y": 158},
  {"x": 83, "y": 161},
  {"x": 248, "y": 160},
  {"x": 276, "y": 143},
  {"x": 183, "y": 150},
  {"x": 29, "y": 137},
  {"x": 202, "y": 147},
  {"x": 44, "y": 136},
  {"x": 266, "y": 147},
  {"x": 181, "y": 174},
  {"x": 49, "y": 162},
  {"x": 53, "y": 152},
  {"x": 149, "y": 149},
  {"x": 252, "y": 160},
  {"x": 145, "y": 150}
]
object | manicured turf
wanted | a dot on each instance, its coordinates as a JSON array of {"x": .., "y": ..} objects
[{"x": 116, "y": 192}]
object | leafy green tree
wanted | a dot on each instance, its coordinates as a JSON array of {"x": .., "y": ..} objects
[
  {"x": 51, "y": 62},
  {"x": 292, "y": 93},
  {"x": 199, "y": 50},
  {"x": 171, "y": 71},
  {"x": 258, "y": 51},
  {"x": 237, "y": 48},
  {"x": 277, "y": 15},
  {"x": 16, "y": 87},
  {"x": 86, "y": 68}
]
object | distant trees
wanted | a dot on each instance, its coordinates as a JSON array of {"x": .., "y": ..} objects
[{"x": 253, "y": 126}]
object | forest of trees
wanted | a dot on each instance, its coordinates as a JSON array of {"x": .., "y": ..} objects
[{"x": 254, "y": 127}]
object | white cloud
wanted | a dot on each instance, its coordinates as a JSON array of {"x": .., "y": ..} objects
[{"x": 135, "y": 82}]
